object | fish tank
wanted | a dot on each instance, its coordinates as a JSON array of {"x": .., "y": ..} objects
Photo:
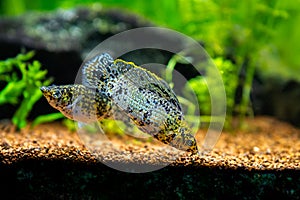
[{"x": 160, "y": 99}]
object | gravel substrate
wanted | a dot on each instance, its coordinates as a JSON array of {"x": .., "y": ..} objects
[
  {"x": 266, "y": 155},
  {"x": 266, "y": 145}
]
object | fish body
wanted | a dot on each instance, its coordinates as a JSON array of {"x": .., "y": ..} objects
[{"x": 112, "y": 88}]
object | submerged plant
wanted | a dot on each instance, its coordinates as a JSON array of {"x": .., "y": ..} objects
[
  {"x": 229, "y": 74},
  {"x": 22, "y": 80}
]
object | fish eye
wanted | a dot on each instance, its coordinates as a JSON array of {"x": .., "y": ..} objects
[
  {"x": 56, "y": 94},
  {"x": 189, "y": 142}
]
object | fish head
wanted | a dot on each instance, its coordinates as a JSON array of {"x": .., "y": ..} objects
[
  {"x": 185, "y": 141},
  {"x": 62, "y": 97}
]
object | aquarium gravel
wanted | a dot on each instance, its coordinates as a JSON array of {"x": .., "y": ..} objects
[{"x": 268, "y": 144}]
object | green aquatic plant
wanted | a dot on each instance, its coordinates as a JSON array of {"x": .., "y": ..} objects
[
  {"x": 229, "y": 74},
  {"x": 21, "y": 80},
  {"x": 51, "y": 117},
  {"x": 230, "y": 77}
]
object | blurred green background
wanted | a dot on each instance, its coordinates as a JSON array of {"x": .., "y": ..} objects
[
  {"x": 245, "y": 38},
  {"x": 261, "y": 32}
]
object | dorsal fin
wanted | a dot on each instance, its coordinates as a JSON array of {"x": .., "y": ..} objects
[{"x": 95, "y": 71}]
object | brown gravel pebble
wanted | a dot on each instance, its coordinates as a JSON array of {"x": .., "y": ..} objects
[{"x": 266, "y": 144}]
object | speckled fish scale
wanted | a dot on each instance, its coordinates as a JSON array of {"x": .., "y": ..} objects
[
  {"x": 151, "y": 112},
  {"x": 130, "y": 93}
]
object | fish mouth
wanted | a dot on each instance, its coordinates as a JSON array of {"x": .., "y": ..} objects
[{"x": 44, "y": 89}]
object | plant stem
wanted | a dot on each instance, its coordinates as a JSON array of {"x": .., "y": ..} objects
[{"x": 244, "y": 106}]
